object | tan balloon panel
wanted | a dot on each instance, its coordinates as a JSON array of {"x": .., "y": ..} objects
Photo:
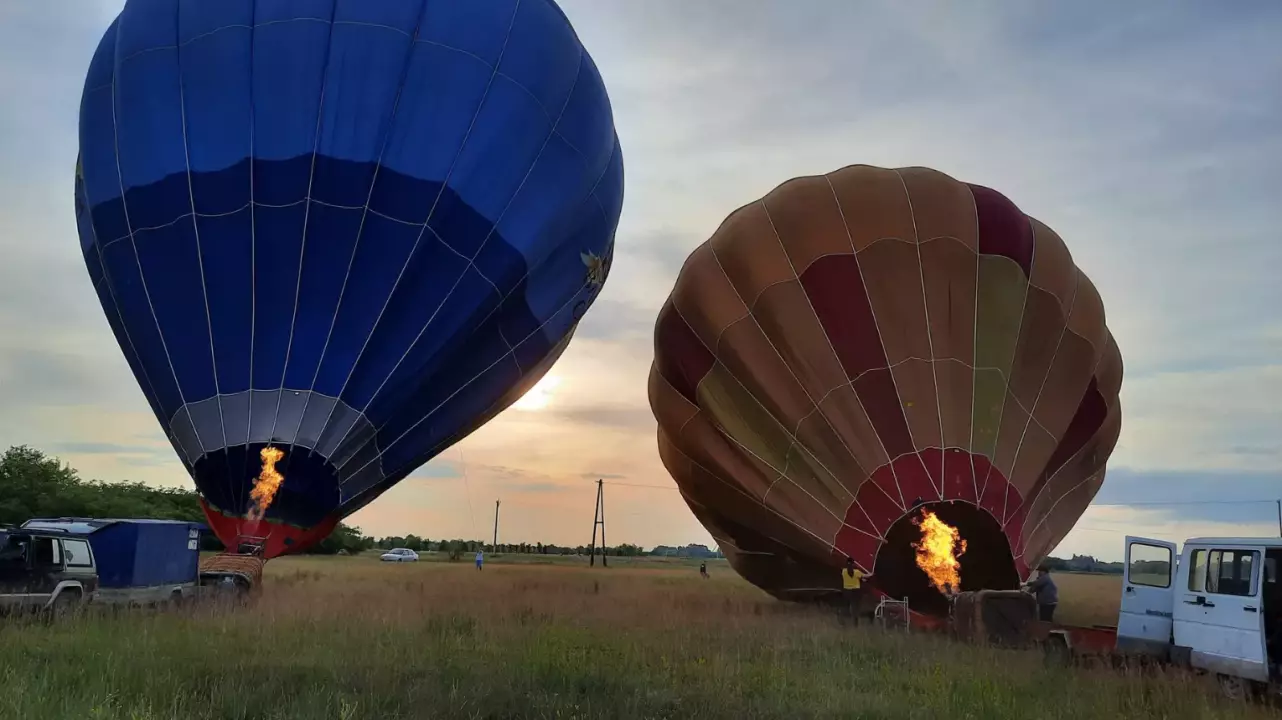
[{"x": 855, "y": 345}]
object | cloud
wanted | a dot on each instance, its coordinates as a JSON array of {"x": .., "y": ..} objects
[
  {"x": 1203, "y": 419},
  {"x": 615, "y": 321},
  {"x": 1102, "y": 530},
  {"x": 1176, "y": 505},
  {"x": 620, "y": 417},
  {"x": 1189, "y": 488},
  {"x": 1146, "y": 135},
  {"x": 438, "y": 468},
  {"x": 97, "y": 448},
  {"x": 535, "y": 488}
]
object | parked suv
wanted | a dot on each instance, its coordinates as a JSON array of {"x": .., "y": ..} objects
[{"x": 44, "y": 570}]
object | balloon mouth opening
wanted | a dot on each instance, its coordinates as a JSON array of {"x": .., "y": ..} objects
[
  {"x": 307, "y": 494},
  {"x": 986, "y": 563}
]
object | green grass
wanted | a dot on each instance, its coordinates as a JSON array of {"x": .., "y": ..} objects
[{"x": 355, "y": 638}]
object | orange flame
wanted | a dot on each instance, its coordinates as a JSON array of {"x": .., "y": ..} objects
[
  {"x": 268, "y": 482},
  {"x": 937, "y": 553}
]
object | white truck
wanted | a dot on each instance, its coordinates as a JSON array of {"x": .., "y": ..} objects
[{"x": 1215, "y": 606}]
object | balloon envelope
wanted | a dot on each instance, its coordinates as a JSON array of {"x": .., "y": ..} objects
[
  {"x": 352, "y": 230},
  {"x": 859, "y": 345}
]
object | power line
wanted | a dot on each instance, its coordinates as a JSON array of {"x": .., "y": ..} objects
[
  {"x": 467, "y": 489},
  {"x": 638, "y": 485},
  {"x": 598, "y": 520},
  {"x": 1112, "y": 531},
  {"x": 1183, "y": 502}
]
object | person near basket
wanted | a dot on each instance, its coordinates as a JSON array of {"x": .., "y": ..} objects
[
  {"x": 1043, "y": 588},
  {"x": 852, "y": 590}
]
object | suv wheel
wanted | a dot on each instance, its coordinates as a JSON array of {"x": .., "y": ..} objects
[{"x": 64, "y": 604}]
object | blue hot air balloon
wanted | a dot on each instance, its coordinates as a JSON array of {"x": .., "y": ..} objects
[{"x": 351, "y": 230}]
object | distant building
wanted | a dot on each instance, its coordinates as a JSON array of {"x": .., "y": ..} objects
[{"x": 689, "y": 551}]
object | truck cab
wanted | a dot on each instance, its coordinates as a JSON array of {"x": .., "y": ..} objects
[
  {"x": 1214, "y": 606},
  {"x": 45, "y": 571}
]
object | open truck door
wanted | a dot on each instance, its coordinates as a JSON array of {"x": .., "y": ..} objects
[
  {"x": 1145, "y": 623},
  {"x": 1220, "y": 613}
]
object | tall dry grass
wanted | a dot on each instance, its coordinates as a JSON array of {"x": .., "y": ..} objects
[
  {"x": 353, "y": 638},
  {"x": 1087, "y": 599}
]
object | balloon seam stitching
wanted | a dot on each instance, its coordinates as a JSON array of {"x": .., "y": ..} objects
[
  {"x": 241, "y": 491},
  {"x": 463, "y": 386},
  {"x": 502, "y": 214},
  {"x": 1040, "y": 389},
  {"x": 423, "y": 230},
  {"x": 930, "y": 340},
  {"x": 782, "y": 475},
  {"x": 854, "y": 494},
  {"x": 311, "y": 178},
  {"x": 360, "y": 232},
  {"x": 841, "y": 212},
  {"x": 195, "y": 227},
  {"x": 974, "y": 353},
  {"x": 106, "y": 280},
  {"x": 1033, "y": 500},
  {"x": 1014, "y": 348},
  {"x": 124, "y": 205},
  {"x": 748, "y": 495},
  {"x": 590, "y": 196}
]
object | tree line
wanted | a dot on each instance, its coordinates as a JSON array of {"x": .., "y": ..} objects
[
  {"x": 1085, "y": 564},
  {"x": 36, "y": 485},
  {"x": 33, "y": 484},
  {"x": 418, "y": 544}
]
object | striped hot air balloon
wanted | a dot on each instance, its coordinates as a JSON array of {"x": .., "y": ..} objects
[{"x": 858, "y": 345}]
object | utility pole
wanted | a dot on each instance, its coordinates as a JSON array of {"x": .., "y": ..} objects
[
  {"x": 598, "y": 519},
  {"x": 1279, "y": 517},
  {"x": 496, "y": 526}
]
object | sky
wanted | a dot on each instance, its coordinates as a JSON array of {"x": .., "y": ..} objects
[{"x": 1148, "y": 134}]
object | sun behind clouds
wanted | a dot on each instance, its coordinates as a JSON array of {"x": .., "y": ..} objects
[{"x": 539, "y": 396}]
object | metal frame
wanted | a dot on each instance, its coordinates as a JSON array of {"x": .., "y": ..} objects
[{"x": 902, "y": 611}]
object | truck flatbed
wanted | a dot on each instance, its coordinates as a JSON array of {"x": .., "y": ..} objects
[{"x": 1098, "y": 639}]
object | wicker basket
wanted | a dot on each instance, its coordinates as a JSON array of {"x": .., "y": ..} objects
[{"x": 1006, "y": 618}]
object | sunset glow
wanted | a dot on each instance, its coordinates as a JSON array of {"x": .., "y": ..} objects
[{"x": 539, "y": 396}]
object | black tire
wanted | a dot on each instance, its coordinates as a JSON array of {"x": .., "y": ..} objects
[
  {"x": 1235, "y": 688},
  {"x": 1056, "y": 653},
  {"x": 64, "y": 604}
]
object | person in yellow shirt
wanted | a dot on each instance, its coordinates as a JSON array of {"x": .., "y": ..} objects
[{"x": 852, "y": 590}]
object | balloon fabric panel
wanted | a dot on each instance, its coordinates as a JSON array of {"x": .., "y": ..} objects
[
  {"x": 871, "y": 340},
  {"x": 354, "y": 230}
]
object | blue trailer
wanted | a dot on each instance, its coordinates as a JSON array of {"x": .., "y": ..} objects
[{"x": 139, "y": 561}]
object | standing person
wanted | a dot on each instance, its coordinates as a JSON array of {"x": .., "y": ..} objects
[
  {"x": 480, "y": 558},
  {"x": 852, "y": 591},
  {"x": 1043, "y": 588},
  {"x": 703, "y": 570}
]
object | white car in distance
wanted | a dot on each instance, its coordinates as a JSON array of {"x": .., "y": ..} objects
[{"x": 399, "y": 555}]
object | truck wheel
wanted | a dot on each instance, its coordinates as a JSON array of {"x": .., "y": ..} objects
[
  {"x": 64, "y": 604},
  {"x": 1234, "y": 688},
  {"x": 1055, "y": 652}
]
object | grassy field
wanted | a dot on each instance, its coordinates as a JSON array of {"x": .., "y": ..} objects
[
  {"x": 354, "y": 638},
  {"x": 1088, "y": 599}
]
